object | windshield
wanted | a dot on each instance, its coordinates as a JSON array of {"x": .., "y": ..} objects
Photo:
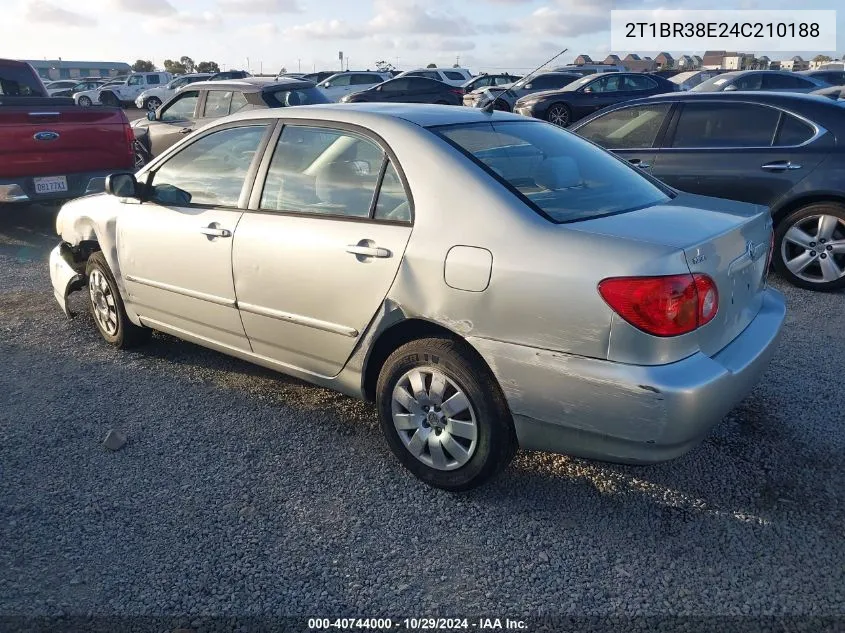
[
  {"x": 561, "y": 176},
  {"x": 303, "y": 96},
  {"x": 714, "y": 84}
]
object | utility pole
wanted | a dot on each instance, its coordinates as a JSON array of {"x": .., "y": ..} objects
[
  {"x": 247, "y": 64},
  {"x": 299, "y": 65},
  {"x": 458, "y": 61}
]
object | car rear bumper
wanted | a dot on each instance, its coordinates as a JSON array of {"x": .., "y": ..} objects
[
  {"x": 22, "y": 189},
  {"x": 630, "y": 413}
]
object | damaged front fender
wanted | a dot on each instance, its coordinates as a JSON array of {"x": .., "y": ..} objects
[{"x": 65, "y": 276}]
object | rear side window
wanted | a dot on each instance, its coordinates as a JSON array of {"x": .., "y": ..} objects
[
  {"x": 793, "y": 131},
  {"x": 777, "y": 81},
  {"x": 558, "y": 174},
  {"x": 217, "y": 103},
  {"x": 360, "y": 80},
  {"x": 286, "y": 98},
  {"x": 453, "y": 75},
  {"x": 19, "y": 81},
  {"x": 153, "y": 79},
  {"x": 703, "y": 125},
  {"x": 628, "y": 128}
]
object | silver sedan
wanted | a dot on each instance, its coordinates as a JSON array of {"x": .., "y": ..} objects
[{"x": 490, "y": 282}]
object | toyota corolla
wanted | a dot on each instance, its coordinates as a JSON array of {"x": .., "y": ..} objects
[{"x": 489, "y": 281}]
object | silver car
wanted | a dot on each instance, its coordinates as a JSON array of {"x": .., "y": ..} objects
[{"x": 489, "y": 281}]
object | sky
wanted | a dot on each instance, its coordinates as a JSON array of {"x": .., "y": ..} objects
[{"x": 266, "y": 35}]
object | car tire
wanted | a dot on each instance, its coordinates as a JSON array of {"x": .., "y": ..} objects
[
  {"x": 85, "y": 101},
  {"x": 810, "y": 247},
  {"x": 559, "y": 114},
  {"x": 441, "y": 103},
  {"x": 502, "y": 106},
  {"x": 109, "y": 99},
  {"x": 457, "y": 452},
  {"x": 141, "y": 154},
  {"x": 107, "y": 306},
  {"x": 152, "y": 103}
]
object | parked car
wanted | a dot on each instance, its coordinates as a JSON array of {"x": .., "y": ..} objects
[
  {"x": 771, "y": 80},
  {"x": 59, "y": 86},
  {"x": 689, "y": 79},
  {"x": 589, "y": 94},
  {"x": 451, "y": 76},
  {"x": 50, "y": 149},
  {"x": 784, "y": 151},
  {"x": 202, "y": 102},
  {"x": 486, "y": 81},
  {"x": 591, "y": 69},
  {"x": 472, "y": 341},
  {"x": 79, "y": 86},
  {"x": 152, "y": 98},
  {"x": 340, "y": 84},
  {"x": 319, "y": 76},
  {"x": 227, "y": 75},
  {"x": 91, "y": 96},
  {"x": 834, "y": 92},
  {"x": 409, "y": 89},
  {"x": 506, "y": 96},
  {"x": 829, "y": 76}
]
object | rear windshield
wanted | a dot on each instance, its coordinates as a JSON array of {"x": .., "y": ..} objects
[
  {"x": 304, "y": 96},
  {"x": 19, "y": 81},
  {"x": 560, "y": 175}
]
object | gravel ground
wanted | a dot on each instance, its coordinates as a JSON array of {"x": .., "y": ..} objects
[{"x": 244, "y": 492}]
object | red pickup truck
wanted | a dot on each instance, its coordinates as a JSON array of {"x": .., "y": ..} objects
[{"x": 51, "y": 149}]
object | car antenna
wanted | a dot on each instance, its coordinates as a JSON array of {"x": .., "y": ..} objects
[{"x": 487, "y": 108}]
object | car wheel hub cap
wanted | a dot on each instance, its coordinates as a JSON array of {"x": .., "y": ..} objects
[
  {"x": 813, "y": 249},
  {"x": 102, "y": 300},
  {"x": 434, "y": 418}
]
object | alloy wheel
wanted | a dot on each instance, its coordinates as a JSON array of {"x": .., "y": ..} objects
[
  {"x": 153, "y": 103},
  {"x": 102, "y": 300},
  {"x": 84, "y": 101},
  {"x": 140, "y": 155},
  {"x": 559, "y": 115},
  {"x": 813, "y": 249},
  {"x": 434, "y": 418}
]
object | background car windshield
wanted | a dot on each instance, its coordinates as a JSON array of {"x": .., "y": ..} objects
[
  {"x": 305, "y": 96},
  {"x": 562, "y": 176}
]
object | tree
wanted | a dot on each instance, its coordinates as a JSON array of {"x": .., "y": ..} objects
[
  {"x": 188, "y": 63},
  {"x": 143, "y": 66},
  {"x": 208, "y": 67},
  {"x": 822, "y": 58},
  {"x": 384, "y": 67},
  {"x": 432, "y": 66},
  {"x": 176, "y": 68}
]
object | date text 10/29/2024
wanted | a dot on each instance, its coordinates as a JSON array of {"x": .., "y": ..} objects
[{"x": 417, "y": 624}]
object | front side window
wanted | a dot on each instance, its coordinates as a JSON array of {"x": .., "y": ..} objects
[
  {"x": 239, "y": 102},
  {"x": 182, "y": 108},
  {"x": 392, "y": 202},
  {"x": 322, "y": 171},
  {"x": 703, "y": 125},
  {"x": 754, "y": 81},
  {"x": 177, "y": 82},
  {"x": 210, "y": 171},
  {"x": 343, "y": 80},
  {"x": 137, "y": 80},
  {"x": 609, "y": 83},
  {"x": 627, "y": 128},
  {"x": 397, "y": 85},
  {"x": 217, "y": 103},
  {"x": 558, "y": 174},
  {"x": 639, "y": 82}
]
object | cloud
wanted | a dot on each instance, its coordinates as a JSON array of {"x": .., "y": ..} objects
[
  {"x": 46, "y": 13},
  {"x": 182, "y": 23},
  {"x": 454, "y": 45},
  {"x": 145, "y": 7},
  {"x": 572, "y": 22},
  {"x": 260, "y": 6},
  {"x": 326, "y": 30}
]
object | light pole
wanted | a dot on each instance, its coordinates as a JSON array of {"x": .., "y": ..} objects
[{"x": 298, "y": 65}]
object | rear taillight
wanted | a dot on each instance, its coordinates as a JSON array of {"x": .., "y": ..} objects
[{"x": 663, "y": 306}]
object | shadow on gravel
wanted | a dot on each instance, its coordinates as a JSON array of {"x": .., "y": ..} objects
[{"x": 27, "y": 232}]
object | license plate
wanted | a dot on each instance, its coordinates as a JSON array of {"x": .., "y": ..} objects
[{"x": 50, "y": 184}]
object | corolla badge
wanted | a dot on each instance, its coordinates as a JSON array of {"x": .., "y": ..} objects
[
  {"x": 46, "y": 135},
  {"x": 698, "y": 258}
]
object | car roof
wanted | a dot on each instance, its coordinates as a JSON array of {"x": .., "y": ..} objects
[
  {"x": 763, "y": 96},
  {"x": 365, "y": 114},
  {"x": 254, "y": 84}
]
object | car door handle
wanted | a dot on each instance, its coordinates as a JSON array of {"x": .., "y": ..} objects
[
  {"x": 367, "y": 251},
  {"x": 185, "y": 130},
  {"x": 213, "y": 231},
  {"x": 780, "y": 165},
  {"x": 639, "y": 163}
]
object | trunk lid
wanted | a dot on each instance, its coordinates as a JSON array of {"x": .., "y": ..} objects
[
  {"x": 40, "y": 139},
  {"x": 726, "y": 240}
]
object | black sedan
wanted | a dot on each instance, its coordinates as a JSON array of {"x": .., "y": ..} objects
[
  {"x": 782, "y": 150},
  {"x": 409, "y": 90},
  {"x": 589, "y": 94}
]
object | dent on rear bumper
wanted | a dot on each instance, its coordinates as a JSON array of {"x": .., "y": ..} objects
[
  {"x": 629, "y": 413},
  {"x": 64, "y": 277}
]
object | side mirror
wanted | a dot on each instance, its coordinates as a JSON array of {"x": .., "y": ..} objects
[
  {"x": 122, "y": 185},
  {"x": 528, "y": 86},
  {"x": 328, "y": 84},
  {"x": 151, "y": 115},
  {"x": 731, "y": 87},
  {"x": 588, "y": 89}
]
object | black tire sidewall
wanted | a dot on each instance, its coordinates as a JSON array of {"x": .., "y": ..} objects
[
  {"x": 819, "y": 208},
  {"x": 85, "y": 101},
  {"x": 495, "y": 443},
  {"x": 98, "y": 262},
  {"x": 565, "y": 108}
]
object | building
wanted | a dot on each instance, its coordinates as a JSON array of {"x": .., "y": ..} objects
[
  {"x": 686, "y": 62},
  {"x": 763, "y": 62},
  {"x": 636, "y": 64},
  {"x": 713, "y": 59},
  {"x": 665, "y": 61},
  {"x": 828, "y": 65},
  {"x": 52, "y": 69},
  {"x": 583, "y": 59},
  {"x": 697, "y": 61},
  {"x": 794, "y": 64},
  {"x": 612, "y": 60},
  {"x": 738, "y": 61}
]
